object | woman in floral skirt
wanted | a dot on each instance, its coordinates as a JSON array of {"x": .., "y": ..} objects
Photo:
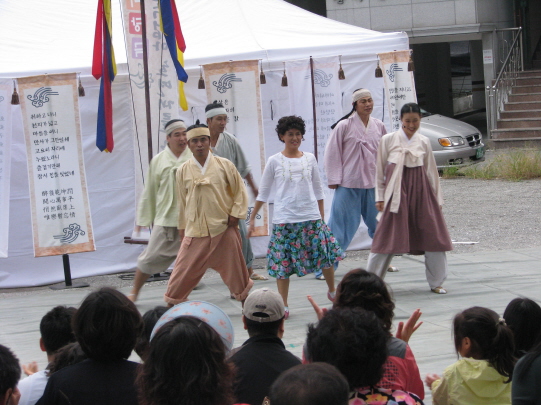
[{"x": 301, "y": 242}]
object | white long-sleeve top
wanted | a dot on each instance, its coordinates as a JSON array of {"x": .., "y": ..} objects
[
  {"x": 298, "y": 188},
  {"x": 398, "y": 149}
]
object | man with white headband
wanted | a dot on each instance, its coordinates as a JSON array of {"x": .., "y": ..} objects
[
  {"x": 350, "y": 164},
  {"x": 225, "y": 145},
  {"x": 212, "y": 199},
  {"x": 158, "y": 207}
]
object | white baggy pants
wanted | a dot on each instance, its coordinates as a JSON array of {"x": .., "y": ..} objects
[{"x": 435, "y": 266}]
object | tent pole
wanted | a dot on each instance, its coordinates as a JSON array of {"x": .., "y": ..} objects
[
  {"x": 147, "y": 84},
  {"x": 313, "y": 104}
]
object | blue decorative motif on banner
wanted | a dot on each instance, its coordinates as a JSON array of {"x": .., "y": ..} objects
[
  {"x": 226, "y": 82},
  {"x": 393, "y": 68},
  {"x": 41, "y": 96},
  {"x": 71, "y": 233},
  {"x": 1, "y": 98},
  {"x": 321, "y": 78}
]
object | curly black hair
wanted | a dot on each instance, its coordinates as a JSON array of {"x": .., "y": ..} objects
[
  {"x": 290, "y": 122},
  {"x": 361, "y": 289},
  {"x": 354, "y": 341},
  {"x": 185, "y": 365}
]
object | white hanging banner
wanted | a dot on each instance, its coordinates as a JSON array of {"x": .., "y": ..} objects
[
  {"x": 61, "y": 220},
  {"x": 6, "y": 90},
  {"x": 236, "y": 85},
  {"x": 328, "y": 101},
  {"x": 399, "y": 83},
  {"x": 162, "y": 80}
]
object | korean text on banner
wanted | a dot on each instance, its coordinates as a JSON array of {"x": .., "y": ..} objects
[
  {"x": 6, "y": 88},
  {"x": 236, "y": 86},
  {"x": 328, "y": 101},
  {"x": 399, "y": 83},
  {"x": 164, "y": 94},
  {"x": 61, "y": 221}
]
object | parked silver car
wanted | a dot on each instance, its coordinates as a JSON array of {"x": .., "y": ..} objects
[{"x": 454, "y": 142}]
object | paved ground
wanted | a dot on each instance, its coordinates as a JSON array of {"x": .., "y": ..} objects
[{"x": 487, "y": 278}]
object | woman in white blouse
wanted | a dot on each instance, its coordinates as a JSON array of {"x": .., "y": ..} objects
[
  {"x": 301, "y": 242},
  {"x": 408, "y": 196}
]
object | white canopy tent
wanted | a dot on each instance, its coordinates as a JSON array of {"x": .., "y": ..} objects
[{"x": 47, "y": 37}]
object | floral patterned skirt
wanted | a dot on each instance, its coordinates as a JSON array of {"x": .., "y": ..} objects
[{"x": 301, "y": 248}]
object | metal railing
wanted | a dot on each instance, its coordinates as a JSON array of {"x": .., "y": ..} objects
[{"x": 510, "y": 58}]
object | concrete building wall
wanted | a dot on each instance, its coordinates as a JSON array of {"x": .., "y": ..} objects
[{"x": 420, "y": 17}]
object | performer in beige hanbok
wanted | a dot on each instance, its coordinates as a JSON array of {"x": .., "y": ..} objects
[{"x": 212, "y": 199}]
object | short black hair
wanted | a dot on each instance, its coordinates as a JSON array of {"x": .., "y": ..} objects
[
  {"x": 213, "y": 105},
  {"x": 10, "y": 370},
  {"x": 186, "y": 364},
  {"x": 263, "y": 328},
  {"x": 55, "y": 328},
  {"x": 290, "y": 122},
  {"x": 354, "y": 341},
  {"x": 196, "y": 125},
  {"x": 107, "y": 325},
  {"x": 410, "y": 108},
  {"x": 310, "y": 384},
  {"x": 150, "y": 318},
  {"x": 523, "y": 316}
]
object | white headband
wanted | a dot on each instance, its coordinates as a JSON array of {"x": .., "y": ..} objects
[
  {"x": 216, "y": 111},
  {"x": 174, "y": 126},
  {"x": 357, "y": 95}
]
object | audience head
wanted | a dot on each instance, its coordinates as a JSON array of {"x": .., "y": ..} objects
[
  {"x": 310, "y": 384},
  {"x": 209, "y": 313},
  {"x": 55, "y": 328},
  {"x": 362, "y": 289},
  {"x": 523, "y": 316},
  {"x": 10, "y": 372},
  {"x": 185, "y": 365},
  {"x": 354, "y": 341},
  {"x": 479, "y": 333},
  {"x": 150, "y": 318},
  {"x": 264, "y": 313},
  {"x": 107, "y": 325},
  {"x": 66, "y": 356}
]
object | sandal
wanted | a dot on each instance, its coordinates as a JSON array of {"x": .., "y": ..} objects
[
  {"x": 392, "y": 269},
  {"x": 256, "y": 276},
  {"x": 320, "y": 277},
  {"x": 286, "y": 312},
  {"x": 331, "y": 296},
  {"x": 439, "y": 290}
]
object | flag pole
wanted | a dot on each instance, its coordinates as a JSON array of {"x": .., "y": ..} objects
[
  {"x": 147, "y": 83},
  {"x": 313, "y": 104}
]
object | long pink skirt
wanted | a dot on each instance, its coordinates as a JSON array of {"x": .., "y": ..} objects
[{"x": 419, "y": 225}]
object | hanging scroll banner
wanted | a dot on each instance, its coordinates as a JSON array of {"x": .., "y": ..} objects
[
  {"x": 399, "y": 83},
  {"x": 328, "y": 101},
  {"x": 61, "y": 220},
  {"x": 236, "y": 86},
  {"x": 162, "y": 80},
  {"x": 6, "y": 89}
]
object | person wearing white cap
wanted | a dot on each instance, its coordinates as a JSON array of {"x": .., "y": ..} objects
[
  {"x": 225, "y": 145},
  {"x": 350, "y": 165},
  {"x": 158, "y": 207},
  {"x": 212, "y": 199},
  {"x": 263, "y": 357}
]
